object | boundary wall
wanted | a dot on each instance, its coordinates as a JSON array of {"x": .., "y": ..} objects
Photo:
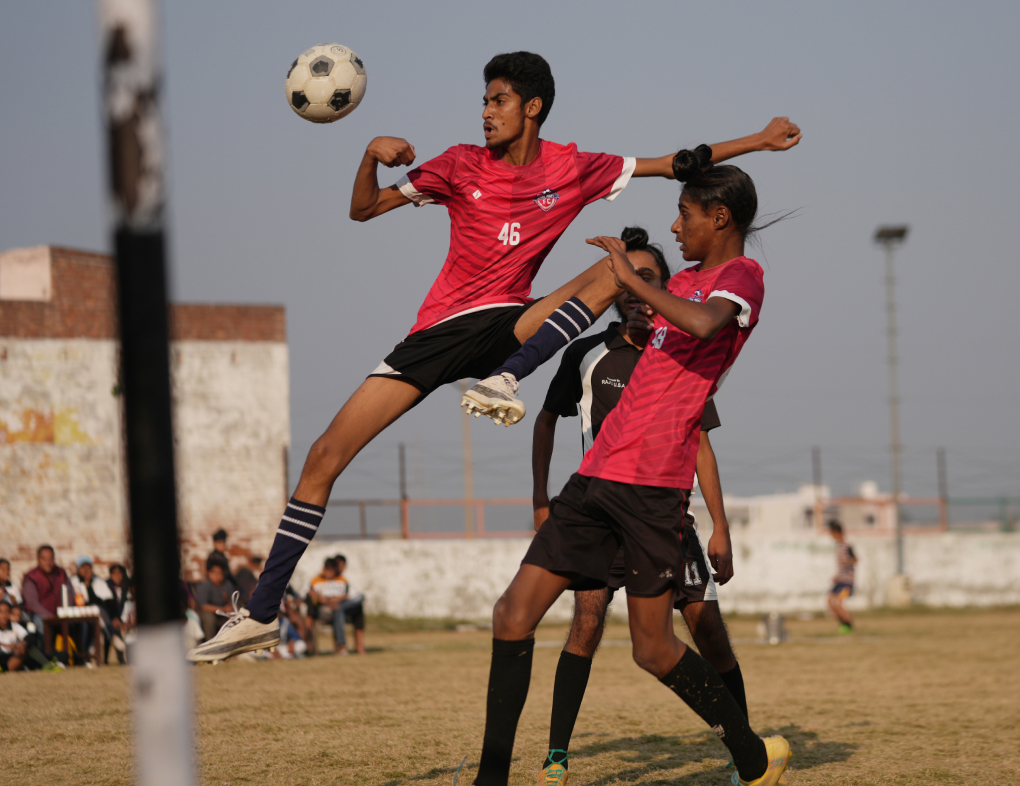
[{"x": 462, "y": 579}]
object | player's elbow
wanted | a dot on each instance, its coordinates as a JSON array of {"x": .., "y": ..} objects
[{"x": 360, "y": 215}]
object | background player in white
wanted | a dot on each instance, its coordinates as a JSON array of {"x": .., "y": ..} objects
[
  {"x": 509, "y": 202},
  {"x": 592, "y": 375}
]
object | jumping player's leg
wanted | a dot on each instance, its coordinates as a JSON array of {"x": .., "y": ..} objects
[
  {"x": 705, "y": 622},
  {"x": 661, "y": 653},
  {"x": 574, "y": 668},
  {"x": 377, "y": 403},
  {"x": 514, "y": 619},
  {"x": 543, "y": 330}
]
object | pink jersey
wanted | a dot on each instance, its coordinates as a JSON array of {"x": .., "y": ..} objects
[
  {"x": 652, "y": 437},
  {"x": 505, "y": 219}
]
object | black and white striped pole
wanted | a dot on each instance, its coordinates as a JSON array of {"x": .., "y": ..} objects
[{"x": 160, "y": 677}]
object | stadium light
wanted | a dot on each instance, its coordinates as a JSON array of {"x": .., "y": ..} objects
[
  {"x": 160, "y": 678},
  {"x": 890, "y": 238}
]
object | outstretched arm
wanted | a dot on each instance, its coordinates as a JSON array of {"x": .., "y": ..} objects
[
  {"x": 541, "y": 458},
  {"x": 720, "y": 550},
  {"x": 368, "y": 200},
  {"x": 780, "y": 134},
  {"x": 701, "y": 320}
]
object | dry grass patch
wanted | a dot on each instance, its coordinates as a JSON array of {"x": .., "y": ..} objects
[{"x": 912, "y": 698}]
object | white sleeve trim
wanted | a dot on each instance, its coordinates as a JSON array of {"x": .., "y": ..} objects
[
  {"x": 412, "y": 193},
  {"x": 629, "y": 164},
  {"x": 744, "y": 317}
]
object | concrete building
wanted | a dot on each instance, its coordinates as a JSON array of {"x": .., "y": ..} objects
[{"x": 62, "y": 474}]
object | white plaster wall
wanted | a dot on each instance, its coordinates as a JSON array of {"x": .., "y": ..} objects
[
  {"x": 232, "y": 424},
  {"x": 464, "y": 578},
  {"x": 61, "y": 476},
  {"x": 61, "y": 457}
]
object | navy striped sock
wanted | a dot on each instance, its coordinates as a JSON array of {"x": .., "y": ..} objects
[
  {"x": 564, "y": 325},
  {"x": 297, "y": 528}
]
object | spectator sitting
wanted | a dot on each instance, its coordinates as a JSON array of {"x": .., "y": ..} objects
[
  {"x": 119, "y": 607},
  {"x": 247, "y": 578},
  {"x": 329, "y": 595},
  {"x": 219, "y": 553},
  {"x": 90, "y": 590},
  {"x": 214, "y": 594},
  {"x": 353, "y": 605},
  {"x": 8, "y": 590},
  {"x": 292, "y": 642},
  {"x": 36, "y": 659},
  {"x": 12, "y": 640},
  {"x": 42, "y": 587}
]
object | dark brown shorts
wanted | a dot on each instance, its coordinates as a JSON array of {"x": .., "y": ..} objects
[{"x": 592, "y": 519}]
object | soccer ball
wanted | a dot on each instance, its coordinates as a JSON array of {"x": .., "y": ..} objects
[{"x": 325, "y": 83}]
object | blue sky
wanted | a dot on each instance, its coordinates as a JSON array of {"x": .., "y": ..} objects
[{"x": 909, "y": 112}]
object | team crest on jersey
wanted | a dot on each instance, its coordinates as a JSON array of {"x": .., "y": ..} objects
[
  {"x": 697, "y": 296},
  {"x": 546, "y": 200}
]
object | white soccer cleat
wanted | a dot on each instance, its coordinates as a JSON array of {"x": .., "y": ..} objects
[
  {"x": 495, "y": 398},
  {"x": 240, "y": 633}
]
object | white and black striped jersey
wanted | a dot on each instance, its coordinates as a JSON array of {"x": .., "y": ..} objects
[{"x": 591, "y": 378}]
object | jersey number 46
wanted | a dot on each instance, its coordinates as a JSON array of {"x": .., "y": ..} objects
[{"x": 509, "y": 234}]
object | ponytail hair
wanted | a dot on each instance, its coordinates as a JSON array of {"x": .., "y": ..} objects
[
  {"x": 636, "y": 239},
  {"x": 726, "y": 185}
]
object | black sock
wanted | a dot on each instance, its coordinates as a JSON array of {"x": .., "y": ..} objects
[
  {"x": 701, "y": 688},
  {"x": 509, "y": 677},
  {"x": 564, "y": 325},
  {"x": 297, "y": 528},
  {"x": 568, "y": 691},
  {"x": 734, "y": 681}
]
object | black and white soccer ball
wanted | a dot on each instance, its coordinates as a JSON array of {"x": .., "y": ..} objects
[{"x": 326, "y": 82}]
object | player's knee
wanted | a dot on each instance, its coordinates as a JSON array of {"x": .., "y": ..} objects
[
  {"x": 323, "y": 458},
  {"x": 655, "y": 659},
  {"x": 509, "y": 620}
]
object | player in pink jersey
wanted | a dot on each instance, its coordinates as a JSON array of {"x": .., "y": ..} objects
[
  {"x": 633, "y": 486},
  {"x": 509, "y": 202}
]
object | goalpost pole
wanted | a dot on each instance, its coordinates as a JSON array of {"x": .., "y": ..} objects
[{"x": 133, "y": 133}]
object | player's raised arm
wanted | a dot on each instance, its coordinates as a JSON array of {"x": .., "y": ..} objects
[
  {"x": 368, "y": 200},
  {"x": 780, "y": 134},
  {"x": 701, "y": 320}
]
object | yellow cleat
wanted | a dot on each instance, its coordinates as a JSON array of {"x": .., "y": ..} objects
[
  {"x": 778, "y": 751},
  {"x": 553, "y": 775}
]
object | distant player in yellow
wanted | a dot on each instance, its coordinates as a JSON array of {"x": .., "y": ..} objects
[{"x": 843, "y": 581}]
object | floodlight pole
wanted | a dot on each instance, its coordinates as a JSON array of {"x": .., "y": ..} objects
[
  {"x": 889, "y": 238},
  {"x": 160, "y": 676}
]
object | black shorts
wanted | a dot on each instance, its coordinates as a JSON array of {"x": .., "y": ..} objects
[
  {"x": 699, "y": 584},
  {"x": 842, "y": 588},
  {"x": 470, "y": 345},
  {"x": 592, "y": 519}
]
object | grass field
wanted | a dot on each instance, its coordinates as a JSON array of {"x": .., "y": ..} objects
[{"x": 911, "y": 698}]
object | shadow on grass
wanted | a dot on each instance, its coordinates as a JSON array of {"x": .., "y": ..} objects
[{"x": 652, "y": 755}]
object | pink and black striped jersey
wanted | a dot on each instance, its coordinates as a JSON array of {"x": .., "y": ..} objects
[
  {"x": 504, "y": 220},
  {"x": 652, "y": 437}
]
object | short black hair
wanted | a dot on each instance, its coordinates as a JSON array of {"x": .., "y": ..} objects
[
  {"x": 835, "y": 526},
  {"x": 330, "y": 563},
  {"x": 339, "y": 557},
  {"x": 212, "y": 562},
  {"x": 636, "y": 239},
  {"x": 528, "y": 74},
  {"x": 44, "y": 547},
  {"x": 5, "y": 561},
  {"x": 220, "y": 534},
  {"x": 7, "y": 603}
]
